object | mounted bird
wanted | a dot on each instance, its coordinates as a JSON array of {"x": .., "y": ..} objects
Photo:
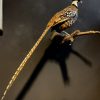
[{"x": 59, "y": 22}]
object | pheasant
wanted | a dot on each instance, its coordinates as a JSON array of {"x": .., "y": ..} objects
[
  {"x": 65, "y": 18},
  {"x": 59, "y": 22}
]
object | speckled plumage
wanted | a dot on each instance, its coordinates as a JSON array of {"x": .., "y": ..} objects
[{"x": 65, "y": 18}]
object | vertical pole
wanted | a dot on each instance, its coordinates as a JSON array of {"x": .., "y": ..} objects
[{"x": 1, "y": 17}]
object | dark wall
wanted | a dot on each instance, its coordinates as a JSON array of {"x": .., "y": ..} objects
[{"x": 24, "y": 21}]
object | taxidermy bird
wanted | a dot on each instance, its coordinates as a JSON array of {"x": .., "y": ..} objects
[
  {"x": 65, "y": 18},
  {"x": 59, "y": 22}
]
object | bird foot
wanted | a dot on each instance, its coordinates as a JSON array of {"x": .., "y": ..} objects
[
  {"x": 67, "y": 37},
  {"x": 71, "y": 36}
]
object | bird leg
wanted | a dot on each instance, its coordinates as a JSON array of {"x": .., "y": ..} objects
[{"x": 63, "y": 34}]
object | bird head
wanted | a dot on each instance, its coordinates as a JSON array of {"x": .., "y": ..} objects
[{"x": 76, "y": 2}]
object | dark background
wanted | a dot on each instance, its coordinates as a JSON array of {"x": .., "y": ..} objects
[{"x": 24, "y": 21}]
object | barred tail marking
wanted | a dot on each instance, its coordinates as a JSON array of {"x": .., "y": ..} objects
[{"x": 22, "y": 65}]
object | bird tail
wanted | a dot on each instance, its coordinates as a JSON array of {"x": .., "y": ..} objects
[{"x": 22, "y": 65}]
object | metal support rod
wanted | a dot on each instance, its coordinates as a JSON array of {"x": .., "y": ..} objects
[{"x": 1, "y": 17}]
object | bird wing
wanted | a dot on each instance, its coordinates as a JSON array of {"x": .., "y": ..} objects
[
  {"x": 60, "y": 17},
  {"x": 57, "y": 19}
]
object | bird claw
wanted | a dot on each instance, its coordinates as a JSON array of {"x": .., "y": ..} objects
[{"x": 68, "y": 37}]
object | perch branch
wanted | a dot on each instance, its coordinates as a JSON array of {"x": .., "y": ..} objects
[{"x": 77, "y": 33}]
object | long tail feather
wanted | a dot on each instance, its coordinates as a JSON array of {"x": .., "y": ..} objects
[{"x": 22, "y": 65}]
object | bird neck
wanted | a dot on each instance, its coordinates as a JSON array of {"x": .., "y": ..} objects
[{"x": 75, "y": 3}]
